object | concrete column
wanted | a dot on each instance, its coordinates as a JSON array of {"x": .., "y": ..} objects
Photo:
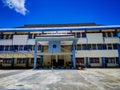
[
  {"x": 73, "y": 56},
  {"x": 12, "y": 62},
  {"x": 103, "y": 62},
  {"x": 118, "y": 47},
  {"x": 27, "y": 61},
  {"x": 35, "y": 60},
  {"x": 87, "y": 62},
  {"x": 35, "y": 55}
]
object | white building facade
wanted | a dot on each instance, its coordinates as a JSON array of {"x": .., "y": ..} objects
[{"x": 60, "y": 47}]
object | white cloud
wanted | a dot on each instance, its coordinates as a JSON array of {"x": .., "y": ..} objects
[{"x": 17, "y": 5}]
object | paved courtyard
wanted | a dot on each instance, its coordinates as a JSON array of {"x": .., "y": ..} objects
[{"x": 89, "y": 79}]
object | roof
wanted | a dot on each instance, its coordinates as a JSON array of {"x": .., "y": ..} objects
[
  {"x": 63, "y": 28},
  {"x": 58, "y": 25}
]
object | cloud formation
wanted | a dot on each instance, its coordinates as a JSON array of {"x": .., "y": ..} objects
[{"x": 17, "y": 5}]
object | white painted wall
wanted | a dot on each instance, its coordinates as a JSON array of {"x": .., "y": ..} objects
[
  {"x": 31, "y": 42},
  {"x": 5, "y": 42},
  {"x": 20, "y": 39},
  {"x": 112, "y": 40},
  {"x": 82, "y": 41},
  {"x": 96, "y": 53},
  {"x": 94, "y": 38}
]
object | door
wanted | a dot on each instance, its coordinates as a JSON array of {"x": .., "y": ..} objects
[{"x": 1, "y": 63}]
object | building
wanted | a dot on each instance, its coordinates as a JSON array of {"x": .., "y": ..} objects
[{"x": 60, "y": 46}]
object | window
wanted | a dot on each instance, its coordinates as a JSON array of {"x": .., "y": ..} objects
[
  {"x": 78, "y": 47},
  {"x": 7, "y": 36},
  {"x": 1, "y": 47},
  {"x": 83, "y": 46},
  {"x": 31, "y": 47},
  {"x": 21, "y": 48},
  {"x": 6, "y": 48},
  {"x": 6, "y": 61},
  {"x": 1, "y": 36},
  {"x": 83, "y": 34},
  {"x": 78, "y": 35},
  {"x": 35, "y": 35},
  {"x": 115, "y": 46},
  {"x": 109, "y": 46},
  {"x": 94, "y": 60},
  {"x": 21, "y": 60},
  {"x": 11, "y": 36},
  {"x": 114, "y": 34},
  {"x": 104, "y": 34},
  {"x": 104, "y": 46},
  {"x": 16, "y": 48},
  {"x": 109, "y": 34},
  {"x": 110, "y": 60},
  {"x": 25, "y": 47},
  {"x": 73, "y": 33},
  {"x": 30, "y": 36},
  {"x": 94, "y": 46},
  {"x": 81, "y": 60},
  {"x": 54, "y": 46},
  {"x": 99, "y": 46},
  {"x": 39, "y": 47},
  {"x": 32, "y": 60},
  {"x": 11, "y": 48}
]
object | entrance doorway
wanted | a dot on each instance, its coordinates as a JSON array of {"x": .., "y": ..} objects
[
  {"x": 57, "y": 64},
  {"x": 1, "y": 63}
]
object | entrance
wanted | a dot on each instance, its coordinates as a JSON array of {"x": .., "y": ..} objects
[
  {"x": 1, "y": 63},
  {"x": 54, "y": 46},
  {"x": 58, "y": 64}
]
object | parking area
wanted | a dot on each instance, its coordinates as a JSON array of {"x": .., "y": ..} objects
[{"x": 89, "y": 79}]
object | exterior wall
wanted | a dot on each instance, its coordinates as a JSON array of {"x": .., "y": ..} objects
[
  {"x": 82, "y": 41},
  {"x": 94, "y": 38},
  {"x": 31, "y": 42},
  {"x": 6, "y": 42},
  {"x": 22, "y": 39},
  {"x": 91, "y": 37},
  {"x": 112, "y": 40},
  {"x": 6, "y": 65},
  {"x": 97, "y": 53}
]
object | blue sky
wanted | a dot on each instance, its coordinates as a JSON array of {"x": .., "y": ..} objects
[{"x": 105, "y": 12}]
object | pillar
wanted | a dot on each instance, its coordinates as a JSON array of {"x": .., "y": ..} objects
[
  {"x": 118, "y": 47},
  {"x": 35, "y": 60},
  {"x": 35, "y": 55},
  {"x": 27, "y": 61},
  {"x": 12, "y": 62},
  {"x": 87, "y": 62},
  {"x": 73, "y": 56},
  {"x": 56, "y": 60},
  {"x": 103, "y": 62}
]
